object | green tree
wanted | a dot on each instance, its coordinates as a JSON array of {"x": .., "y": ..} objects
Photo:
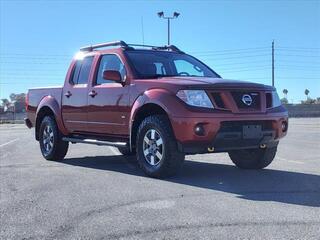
[
  {"x": 12, "y": 97},
  {"x": 284, "y": 100},
  {"x": 5, "y": 102}
]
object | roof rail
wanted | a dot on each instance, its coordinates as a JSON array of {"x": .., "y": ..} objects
[
  {"x": 100, "y": 45},
  {"x": 125, "y": 45},
  {"x": 168, "y": 47}
]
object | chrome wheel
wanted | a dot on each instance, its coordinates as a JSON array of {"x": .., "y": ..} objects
[
  {"x": 153, "y": 147},
  {"x": 47, "y": 139}
]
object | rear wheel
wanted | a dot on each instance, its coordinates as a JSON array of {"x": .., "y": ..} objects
[
  {"x": 51, "y": 145},
  {"x": 253, "y": 158},
  {"x": 157, "y": 151}
]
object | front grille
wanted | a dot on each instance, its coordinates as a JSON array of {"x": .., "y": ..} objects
[
  {"x": 237, "y": 126},
  {"x": 240, "y": 97},
  {"x": 218, "y": 100},
  {"x": 268, "y": 100}
]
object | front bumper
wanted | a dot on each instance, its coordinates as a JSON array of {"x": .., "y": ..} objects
[{"x": 223, "y": 133}]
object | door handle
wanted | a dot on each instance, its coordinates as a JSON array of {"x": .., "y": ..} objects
[
  {"x": 68, "y": 94},
  {"x": 93, "y": 93}
]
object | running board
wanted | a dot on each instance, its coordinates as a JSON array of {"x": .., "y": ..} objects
[{"x": 94, "y": 142}]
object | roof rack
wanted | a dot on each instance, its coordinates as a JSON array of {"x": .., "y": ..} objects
[
  {"x": 129, "y": 46},
  {"x": 100, "y": 45},
  {"x": 166, "y": 47}
]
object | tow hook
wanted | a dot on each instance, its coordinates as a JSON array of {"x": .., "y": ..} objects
[
  {"x": 263, "y": 146},
  {"x": 210, "y": 149}
]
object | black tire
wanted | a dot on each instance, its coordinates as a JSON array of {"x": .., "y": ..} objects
[
  {"x": 126, "y": 151},
  {"x": 253, "y": 158},
  {"x": 59, "y": 148},
  {"x": 171, "y": 159}
]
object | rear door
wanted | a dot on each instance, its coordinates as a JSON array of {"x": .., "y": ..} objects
[
  {"x": 108, "y": 101},
  {"x": 75, "y": 96}
]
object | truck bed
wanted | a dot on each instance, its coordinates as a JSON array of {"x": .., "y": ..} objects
[{"x": 35, "y": 95}]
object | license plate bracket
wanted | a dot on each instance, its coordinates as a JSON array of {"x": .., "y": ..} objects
[{"x": 251, "y": 131}]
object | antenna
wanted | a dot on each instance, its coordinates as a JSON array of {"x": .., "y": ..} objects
[{"x": 142, "y": 30}]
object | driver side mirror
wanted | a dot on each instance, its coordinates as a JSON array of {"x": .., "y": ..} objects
[{"x": 113, "y": 76}]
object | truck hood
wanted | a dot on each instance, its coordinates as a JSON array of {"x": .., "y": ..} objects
[{"x": 207, "y": 83}]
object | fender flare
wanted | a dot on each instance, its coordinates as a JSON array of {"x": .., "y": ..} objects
[
  {"x": 53, "y": 105},
  {"x": 152, "y": 96}
]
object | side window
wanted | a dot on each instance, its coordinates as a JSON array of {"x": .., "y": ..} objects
[
  {"x": 160, "y": 68},
  {"x": 187, "y": 68},
  {"x": 109, "y": 62},
  {"x": 75, "y": 73},
  {"x": 85, "y": 70}
]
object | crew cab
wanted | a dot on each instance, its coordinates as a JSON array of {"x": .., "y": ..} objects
[{"x": 158, "y": 103}]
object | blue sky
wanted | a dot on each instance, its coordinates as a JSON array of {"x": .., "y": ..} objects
[{"x": 38, "y": 38}]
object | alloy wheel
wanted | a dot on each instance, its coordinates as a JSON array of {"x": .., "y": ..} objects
[{"x": 153, "y": 147}]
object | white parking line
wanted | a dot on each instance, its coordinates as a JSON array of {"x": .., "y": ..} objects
[
  {"x": 12, "y": 141},
  {"x": 292, "y": 161},
  {"x": 114, "y": 151}
]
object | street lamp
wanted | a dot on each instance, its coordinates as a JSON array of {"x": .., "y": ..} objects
[{"x": 161, "y": 15}]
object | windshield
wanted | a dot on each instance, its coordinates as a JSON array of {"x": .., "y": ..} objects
[{"x": 155, "y": 64}]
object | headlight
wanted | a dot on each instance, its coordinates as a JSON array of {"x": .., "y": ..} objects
[
  {"x": 197, "y": 98},
  {"x": 275, "y": 99}
]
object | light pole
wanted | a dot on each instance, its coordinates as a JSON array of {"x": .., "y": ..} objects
[{"x": 175, "y": 15}]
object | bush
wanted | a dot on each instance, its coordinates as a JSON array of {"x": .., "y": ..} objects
[
  {"x": 284, "y": 101},
  {"x": 309, "y": 101}
]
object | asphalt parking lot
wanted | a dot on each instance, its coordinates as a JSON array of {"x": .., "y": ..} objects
[{"x": 96, "y": 193}]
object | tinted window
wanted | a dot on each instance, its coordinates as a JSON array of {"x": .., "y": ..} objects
[
  {"x": 75, "y": 74},
  {"x": 109, "y": 62},
  {"x": 160, "y": 69},
  {"x": 154, "y": 64},
  {"x": 85, "y": 70}
]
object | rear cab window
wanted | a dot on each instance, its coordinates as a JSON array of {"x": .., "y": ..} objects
[{"x": 81, "y": 71}]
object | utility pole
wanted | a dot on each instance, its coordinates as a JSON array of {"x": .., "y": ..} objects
[
  {"x": 175, "y": 15},
  {"x": 273, "y": 63},
  {"x": 142, "y": 30},
  {"x": 168, "y": 31}
]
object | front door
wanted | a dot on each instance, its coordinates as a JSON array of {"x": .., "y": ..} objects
[
  {"x": 108, "y": 101},
  {"x": 75, "y": 96}
]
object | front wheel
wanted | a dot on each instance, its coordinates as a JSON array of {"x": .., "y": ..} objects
[
  {"x": 253, "y": 158},
  {"x": 51, "y": 144},
  {"x": 156, "y": 147}
]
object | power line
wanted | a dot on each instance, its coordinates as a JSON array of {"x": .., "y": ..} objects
[
  {"x": 244, "y": 67},
  {"x": 229, "y": 50},
  {"x": 249, "y": 69},
  {"x": 32, "y": 54},
  {"x": 239, "y": 63},
  {"x": 231, "y": 53},
  {"x": 302, "y": 48},
  {"x": 291, "y": 55},
  {"x": 34, "y": 58},
  {"x": 235, "y": 57},
  {"x": 29, "y": 62}
]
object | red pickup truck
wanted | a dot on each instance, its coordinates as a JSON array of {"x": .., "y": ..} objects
[{"x": 158, "y": 103}]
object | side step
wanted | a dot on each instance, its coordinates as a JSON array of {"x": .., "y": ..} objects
[{"x": 95, "y": 142}]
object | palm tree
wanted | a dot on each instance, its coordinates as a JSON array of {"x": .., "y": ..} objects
[
  {"x": 306, "y": 92},
  {"x": 285, "y": 92},
  {"x": 5, "y": 103}
]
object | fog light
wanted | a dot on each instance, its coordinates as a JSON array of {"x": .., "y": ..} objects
[
  {"x": 284, "y": 126},
  {"x": 199, "y": 129}
]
